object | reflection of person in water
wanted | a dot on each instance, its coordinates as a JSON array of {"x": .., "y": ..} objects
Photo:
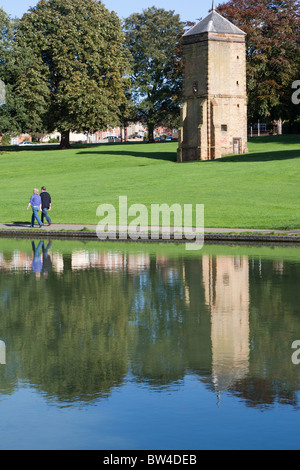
[
  {"x": 47, "y": 259},
  {"x": 37, "y": 263}
]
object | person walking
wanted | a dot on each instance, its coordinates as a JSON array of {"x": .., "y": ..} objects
[
  {"x": 36, "y": 205},
  {"x": 46, "y": 204}
]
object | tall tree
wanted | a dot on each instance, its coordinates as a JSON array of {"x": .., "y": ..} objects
[
  {"x": 8, "y": 68},
  {"x": 273, "y": 53},
  {"x": 152, "y": 38},
  {"x": 77, "y": 74}
]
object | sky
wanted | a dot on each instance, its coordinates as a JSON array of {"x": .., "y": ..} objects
[{"x": 192, "y": 10}]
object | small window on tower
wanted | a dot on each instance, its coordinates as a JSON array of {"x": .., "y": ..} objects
[{"x": 224, "y": 127}]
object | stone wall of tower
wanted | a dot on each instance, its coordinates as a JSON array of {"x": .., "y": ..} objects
[
  {"x": 214, "y": 111},
  {"x": 227, "y": 87},
  {"x": 193, "y": 130}
]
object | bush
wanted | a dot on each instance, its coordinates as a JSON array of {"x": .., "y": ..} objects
[{"x": 5, "y": 140}]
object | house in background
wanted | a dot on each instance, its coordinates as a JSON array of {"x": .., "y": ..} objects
[
  {"x": 134, "y": 132},
  {"x": 20, "y": 138},
  {"x": 112, "y": 134},
  {"x": 166, "y": 132}
]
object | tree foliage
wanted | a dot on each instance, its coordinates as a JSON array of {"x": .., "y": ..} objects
[
  {"x": 8, "y": 69},
  {"x": 152, "y": 38},
  {"x": 76, "y": 74},
  {"x": 273, "y": 53}
]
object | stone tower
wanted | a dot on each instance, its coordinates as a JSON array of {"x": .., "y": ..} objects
[{"x": 214, "y": 110}]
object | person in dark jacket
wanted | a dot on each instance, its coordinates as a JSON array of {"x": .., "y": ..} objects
[{"x": 46, "y": 205}]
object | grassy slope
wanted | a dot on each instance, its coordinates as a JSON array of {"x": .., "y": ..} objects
[{"x": 257, "y": 190}]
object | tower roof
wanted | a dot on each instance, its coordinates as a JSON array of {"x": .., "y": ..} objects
[{"x": 214, "y": 23}]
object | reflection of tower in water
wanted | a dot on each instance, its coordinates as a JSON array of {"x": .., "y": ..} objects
[{"x": 226, "y": 284}]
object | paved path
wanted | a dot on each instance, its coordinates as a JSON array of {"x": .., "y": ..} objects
[
  {"x": 156, "y": 234},
  {"x": 81, "y": 227}
]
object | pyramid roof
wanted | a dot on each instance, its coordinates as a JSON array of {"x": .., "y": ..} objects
[{"x": 214, "y": 23}]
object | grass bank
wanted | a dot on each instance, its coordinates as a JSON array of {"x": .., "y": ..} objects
[{"x": 258, "y": 190}]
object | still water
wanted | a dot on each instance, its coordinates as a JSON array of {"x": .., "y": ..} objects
[{"x": 124, "y": 346}]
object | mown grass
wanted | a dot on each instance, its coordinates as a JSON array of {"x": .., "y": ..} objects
[{"x": 260, "y": 189}]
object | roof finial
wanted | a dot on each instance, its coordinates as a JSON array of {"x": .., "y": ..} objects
[{"x": 213, "y": 5}]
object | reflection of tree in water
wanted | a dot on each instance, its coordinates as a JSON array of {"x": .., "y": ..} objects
[
  {"x": 76, "y": 334},
  {"x": 69, "y": 332},
  {"x": 274, "y": 325},
  {"x": 87, "y": 351},
  {"x": 263, "y": 392},
  {"x": 158, "y": 324},
  {"x": 270, "y": 376},
  {"x": 168, "y": 330}
]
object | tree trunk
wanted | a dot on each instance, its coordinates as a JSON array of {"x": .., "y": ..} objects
[
  {"x": 279, "y": 126},
  {"x": 291, "y": 126},
  {"x": 124, "y": 133},
  {"x": 65, "y": 140},
  {"x": 151, "y": 132}
]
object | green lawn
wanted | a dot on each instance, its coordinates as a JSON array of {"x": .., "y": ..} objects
[{"x": 258, "y": 190}]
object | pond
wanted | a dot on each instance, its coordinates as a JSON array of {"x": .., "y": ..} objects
[{"x": 108, "y": 345}]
